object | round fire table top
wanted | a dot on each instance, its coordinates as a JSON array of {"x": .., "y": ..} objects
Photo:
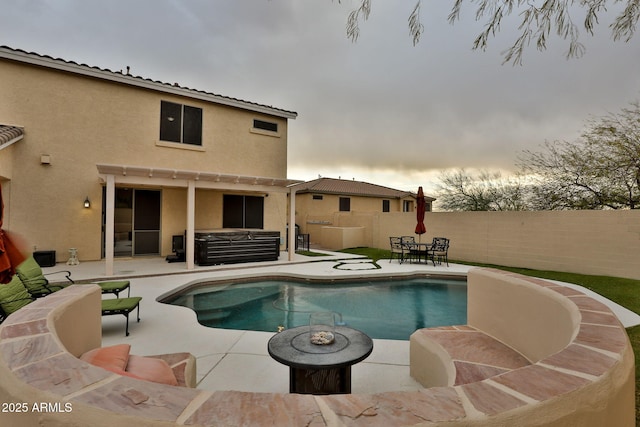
[{"x": 293, "y": 347}]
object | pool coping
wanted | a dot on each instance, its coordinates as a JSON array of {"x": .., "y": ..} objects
[{"x": 296, "y": 279}]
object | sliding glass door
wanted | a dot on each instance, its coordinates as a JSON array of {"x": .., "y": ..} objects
[
  {"x": 137, "y": 222},
  {"x": 146, "y": 222}
]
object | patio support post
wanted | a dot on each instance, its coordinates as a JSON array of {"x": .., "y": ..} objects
[
  {"x": 109, "y": 229},
  {"x": 292, "y": 223},
  {"x": 191, "y": 214}
]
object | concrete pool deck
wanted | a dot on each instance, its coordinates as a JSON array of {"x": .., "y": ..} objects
[{"x": 238, "y": 360}]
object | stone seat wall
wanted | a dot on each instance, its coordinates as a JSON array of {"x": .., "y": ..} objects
[
  {"x": 532, "y": 346},
  {"x": 589, "y": 382}
]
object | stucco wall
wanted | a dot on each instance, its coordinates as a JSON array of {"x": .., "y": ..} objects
[
  {"x": 336, "y": 238},
  {"x": 589, "y": 242},
  {"x": 81, "y": 122},
  {"x": 535, "y": 321},
  {"x": 306, "y": 204},
  {"x": 313, "y": 223},
  {"x": 312, "y": 214}
]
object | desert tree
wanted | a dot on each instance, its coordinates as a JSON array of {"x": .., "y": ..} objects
[
  {"x": 461, "y": 190},
  {"x": 600, "y": 170},
  {"x": 538, "y": 21}
]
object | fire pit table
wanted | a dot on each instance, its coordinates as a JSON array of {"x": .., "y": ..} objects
[{"x": 320, "y": 369}]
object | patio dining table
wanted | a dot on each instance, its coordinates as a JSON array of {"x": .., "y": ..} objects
[{"x": 418, "y": 251}]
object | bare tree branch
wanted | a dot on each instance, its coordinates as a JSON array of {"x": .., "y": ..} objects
[{"x": 486, "y": 191}]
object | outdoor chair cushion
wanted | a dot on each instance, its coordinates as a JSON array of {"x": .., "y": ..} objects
[
  {"x": 116, "y": 359},
  {"x": 119, "y": 305},
  {"x": 112, "y": 358},
  {"x": 122, "y": 306},
  {"x": 150, "y": 369},
  {"x": 31, "y": 275},
  {"x": 13, "y": 295},
  {"x": 115, "y": 287}
]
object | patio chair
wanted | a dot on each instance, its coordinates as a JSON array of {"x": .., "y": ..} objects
[
  {"x": 35, "y": 281},
  {"x": 177, "y": 247},
  {"x": 440, "y": 250},
  {"x": 13, "y": 296},
  {"x": 410, "y": 248},
  {"x": 122, "y": 306},
  {"x": 396, "y": 248}
]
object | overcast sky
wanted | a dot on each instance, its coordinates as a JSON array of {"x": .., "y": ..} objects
[{"x": 378, "y": 110}]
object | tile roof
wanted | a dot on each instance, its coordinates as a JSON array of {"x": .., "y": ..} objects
[
  {"x": 352, "y": 188},
  {"x": 10, "y": 134},
  {"x": 7, "y": 52}
]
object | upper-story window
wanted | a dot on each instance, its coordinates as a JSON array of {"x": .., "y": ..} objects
[
  {"x": 345, "y": 204},
  {"x": 262, "y": 125},
  {"x": 386, "y": 206},
  {"x": 180, "y": 123}
]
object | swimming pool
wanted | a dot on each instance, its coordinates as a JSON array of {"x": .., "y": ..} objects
[{"x": 382, "y": 308}]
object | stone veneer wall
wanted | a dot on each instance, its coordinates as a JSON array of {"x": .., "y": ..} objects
[{"x": 36, "y": 368}]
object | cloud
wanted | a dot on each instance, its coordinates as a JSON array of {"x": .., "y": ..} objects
[{"x": 380, "y": 107}]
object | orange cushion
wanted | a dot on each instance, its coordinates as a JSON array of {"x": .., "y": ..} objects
[
  {"x": 151, "y": 369},
  {"x": 113, "y": 358}
]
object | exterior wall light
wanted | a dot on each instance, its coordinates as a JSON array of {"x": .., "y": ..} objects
[{"x": 87, "y": 203}]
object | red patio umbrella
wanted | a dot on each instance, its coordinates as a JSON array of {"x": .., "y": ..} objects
[
  {"x": 420, "y": 208},
  {"x": 10, "y": 255}
]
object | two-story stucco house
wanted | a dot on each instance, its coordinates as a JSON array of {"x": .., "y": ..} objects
[
  {"x": 114, "y": 164},
  {"x": 320, "y": 202}
]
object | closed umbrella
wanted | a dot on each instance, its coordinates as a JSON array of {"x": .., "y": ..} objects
[
  {"x": 420, "y": 208},
  {"x": 10, "y": 256}
]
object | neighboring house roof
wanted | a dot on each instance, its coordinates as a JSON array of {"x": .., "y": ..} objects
[
  {"x": 9, "y": 135},
  {"x": 7, "y": 52},
  {"x": 351, "y": 188}
]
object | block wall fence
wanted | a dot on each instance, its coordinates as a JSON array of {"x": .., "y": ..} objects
[{"x": 588, "y": 242}]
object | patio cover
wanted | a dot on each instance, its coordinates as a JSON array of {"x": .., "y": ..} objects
[
  {"x": 161, "y": 177},
  {"x": 10, "y": 135}
]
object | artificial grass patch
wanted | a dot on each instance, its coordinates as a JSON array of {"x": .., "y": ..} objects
[
  {"x": 372, "y": 253},
  {"x": 634, "y": 337},
  {"x": 620, "y": 290},
  {"x": 310, "y": 253}
]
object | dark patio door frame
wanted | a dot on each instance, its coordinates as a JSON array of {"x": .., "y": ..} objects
[
  {"x": 146, "y": 221},
  {"x": 143, "y": 234}
]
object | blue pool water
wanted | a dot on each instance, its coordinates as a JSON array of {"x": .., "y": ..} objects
[{"x": 384, "y": 308}]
